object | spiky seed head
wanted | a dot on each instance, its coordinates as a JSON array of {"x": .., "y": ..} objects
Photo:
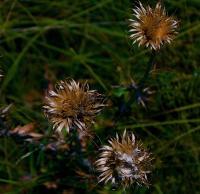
[
  {"x": 152, "y": 27},
  {"x": 124, "y": 162},
  {"x": 72, "y": 105}
]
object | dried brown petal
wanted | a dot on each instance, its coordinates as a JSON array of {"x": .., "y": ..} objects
[{"x": 28, "y": 129}]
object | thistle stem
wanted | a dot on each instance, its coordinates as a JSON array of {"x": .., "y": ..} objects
[
  {"x": 148, "y": 69},
  {"x": 124, "y": 191}
]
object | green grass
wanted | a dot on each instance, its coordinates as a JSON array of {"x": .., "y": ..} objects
[{"x": 45, "y": 41}]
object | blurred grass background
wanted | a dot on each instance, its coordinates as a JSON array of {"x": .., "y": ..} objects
[{"x": 45, "y": 41}]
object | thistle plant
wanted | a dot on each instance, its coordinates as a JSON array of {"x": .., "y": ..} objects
[{"x": 151, "y": 28}]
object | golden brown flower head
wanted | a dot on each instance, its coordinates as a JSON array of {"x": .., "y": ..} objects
[
  {"x": 124, "y": 162},
  {"x": 72, "y": 105},
  {"x": 152, "y": 27}
]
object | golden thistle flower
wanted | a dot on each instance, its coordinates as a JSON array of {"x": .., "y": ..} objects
[
  {"x": 152, "y": 27},
  {"x": 72, "y": 105},
  {"x": 124, "y": 162}
]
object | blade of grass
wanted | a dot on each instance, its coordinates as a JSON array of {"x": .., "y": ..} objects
[
  {"x": 162, "y": 148},
  {"x": 174, "y": 122},
  {"x": 13, "y": 70}
]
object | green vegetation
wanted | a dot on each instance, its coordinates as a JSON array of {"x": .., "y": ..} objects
[{"x": 44, "y": 41}]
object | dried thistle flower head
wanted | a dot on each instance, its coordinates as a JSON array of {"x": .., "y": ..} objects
[
  {"x": 124, "y": 162},
  {"x": 152, "y": 27},
  {"x": 72, "y": 105}
]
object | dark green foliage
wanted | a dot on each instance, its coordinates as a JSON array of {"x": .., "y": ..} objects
[{"x": 45, "y": 41}]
